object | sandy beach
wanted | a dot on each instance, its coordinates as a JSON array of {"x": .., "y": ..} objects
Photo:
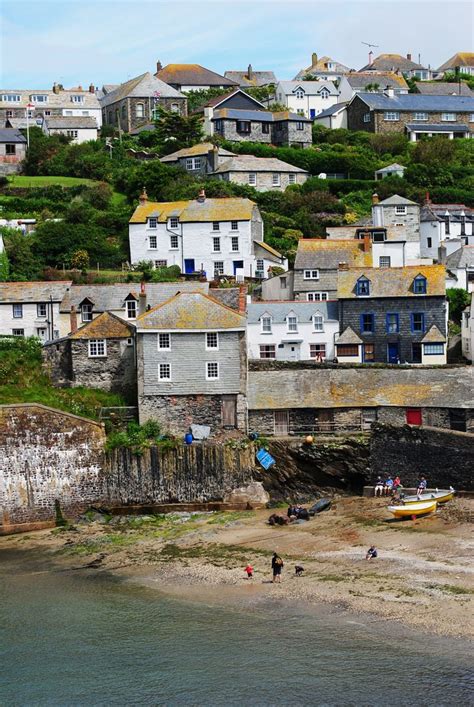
[{"x": 423, "y": 576}]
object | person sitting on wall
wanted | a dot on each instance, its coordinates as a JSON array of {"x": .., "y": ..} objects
[{"x": 378, "y": 488}]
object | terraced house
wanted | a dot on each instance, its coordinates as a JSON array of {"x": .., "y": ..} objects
[{"x": 57, "y": 101}]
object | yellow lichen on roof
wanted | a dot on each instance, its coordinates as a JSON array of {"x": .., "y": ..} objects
[
  {"x": 354, "y": 248},
  {"x": 191, "y": 310},
  {"x": 105, "y": 326},
  {"x": 226, "y": 209},
  {"x": 267, "y": 247},
  {"x": 392, "y": 282}
]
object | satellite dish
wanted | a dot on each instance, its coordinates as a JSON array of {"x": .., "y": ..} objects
[{"x": 323, "y": 175}]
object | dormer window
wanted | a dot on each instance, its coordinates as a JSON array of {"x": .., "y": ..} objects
[
  {"x": 152, "y": 223},
  {"x": 299, "y": 93},
  {"x": 11, "y": 98},
  {"x": 39, "y": 98},
  {"x": 292, "y": 322},
  {"x": 419, "y": 285},
  {"x": 363, "y": 287},
  {"x": 266, "y": 321},
  {"x": 174, "y": 221},
  {"x": 86, "y": 311},
  {"x": 77, "y": 99},
  {"x": 318, "y": 322},
  {"x": 131, "y": 307},
  {"x": 324, "y": 93}
]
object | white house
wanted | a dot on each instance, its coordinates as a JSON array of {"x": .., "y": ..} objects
[
  {"x": 54, "y": 102},
  {"x": 460, "y": 268},
  {"x": 212, "y": 236},
  {"x": 292, "y": 331},
  {"x": 79, "y": 129},
  {"x": 391, "y": 170},
  {"x": 375, "y": 81},
  {"x": 333, "y": 117},
  {"x": 31, "y": 308},
  {"x": 467, "y": 331},
  {"x": 308, "y": 98},
  {"x": 444, "y": 223}
]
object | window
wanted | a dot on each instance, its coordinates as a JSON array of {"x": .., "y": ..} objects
[
  {"x": 139, "y": 110},
  {"x": 324, "y": 94},
  {"x": 363, "y": 287},
  {"x": 234, "y": 225},
  {"x": 193, "y": 163},
  {"x": 391, "y": 115},
  {"x": 17, "y": 311},
  {"x": 252, "y": 179},
  {"x": 212, "y": 370},
  {"x": 69, "y": 112},
  {"x": 124, "y": 111},
  {"x": 316, "y": 296},
  {"x": 260, "y": 266},
  {"x": 317, "y": 351},
  {"x": 275, "y": 180},
  {"x": 41, "y": 309},
  {"x": 292, "y": 322},
  {"x": 85, "y": 112},
  {"x": 47, "y": 112},
  {"x": 420, "y": 116},
  {"x": 218, "y": 126},
  {"x": 86, "y": 312},
  {"x": 367, "y": 323},
  {"x": 265, "y": 128},
  {"x": 267, "y": 351},
  {"x": 318, "y": 322},
  {"x": 161, "y": 263},
  {"x": 434, "y": 349},
  {"x": 392, "y": 323},
  {"x": 419, "y": 285},
  {"x": 152, "y": 223},
  {"x": 71, "y": 133},
  {"x": 10, "y": 149},
  {"x": 368, "y": 353},
  {"x": 243, "y": 126},
  {"x": 218, "y": 268},
  {"x": 311, "y": 275},
  {"x": 429, "y": 242},
  {"x": 97, "y": 348},
  {"x": 448, "y": 117},
  {"x": 471, "y": 117},
  {"x": 164, "y": 342},
  {"x": 212, "y": 340},
  {"x": 400, "y": 210},
  {"x": 174, "y": 222},
  {"x": 189, "y": 163},
  {"x": 300, "y": 111},
  {"x": 366, "y": 118},
  {"x": 153, "y": 242},
  {"x": 131, "y": 309},
  {"x": 347, "y": 349},
  {"x": 418, "y": 322},
  {"x": 300, "y": 125},
  {"x": 283, "y": 283},
  {"x": 197, "y": 163},
  {"x": 266, "y": 325},
  {"x": 174, "y": 242},
  {"x": 299, "y": 93},
  {"x": 11, "y": 98},
  {"x": 379, "y": 236},
  {"x": 130, "y": 341},
  {"x": 164, "y": 371},
  {"x": 292, "y": 179},
  {"x": 384, "y": 261},
  {"x": 216, "y": 244},
  {"x": 235, "y": 244},
  {"x": 18, "y": 332},
  {"x": 77, "y": 99},
  {"x": 215, "y": 226},
  {"x": 9, "y": 114}
]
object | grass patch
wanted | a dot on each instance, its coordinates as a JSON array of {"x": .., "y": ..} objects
[
  {"x": 455, "y": 589},
  {"x": 369, "y": 522},
  {"x": 22, "y": 181},
  {"x": 223, "y": 517},
  {"x": 332, "y": 578},
  {"x": 215, "y": 554}
]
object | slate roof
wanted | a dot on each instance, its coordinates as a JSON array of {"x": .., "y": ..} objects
[
  {"x": 360, "y": 79},
  {"x": 105, "y": 326},
  {"x": 258, "y": 78},
  {"x": 397, "y": 200},
  {"x": 71, "y": 122},
  {"x": 268, "y": 248},
  {"x": 143, "y": 86},
  {"x": 191, "y": 311},
  {"x": 433, "y": 336},
  {"x": 361, "y": 388},
  {"x": 349, "y": 336},
  {"x": 257, "y": 115},
  {"x": 417, "y": 102},
  {"x": 459, "y": 59},
  {"x": 332, "y": 110},
  {"x": 21, "y": 123},
  {"x": 438, "y": 127},
  {"x": 392, "y": 62},
  {"x": 321, "y": 67},
  {"x": 392, "y": 282},
  {"x": 11, "y": 135},
  {"x": 303, "y": 310},
  {"x": 326, "y": 254},
  {"x": 195, "y": 151},
  {"x": 461, "y": 258},
  {"x": 62, "y": 99},
  {"x": 217, "y": 100},
  {"x": 437, "y": 212},
  {"x": 395, "y": 167},
  {"x": 311, "y": 88},
  {"x": 112, "y": 297},
  {"x": 443, "y": 88},
  {"x": 192, "y": 75},
  {"x": 225, "y": 209},
  {"x": 33, "y": 291},
  {"x": 249, "y": 163}
]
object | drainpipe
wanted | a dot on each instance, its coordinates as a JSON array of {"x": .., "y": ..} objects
[{"x": 52, "y": 317}]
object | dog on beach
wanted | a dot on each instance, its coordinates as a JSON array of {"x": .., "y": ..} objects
[{"x": 299, "y": 570}]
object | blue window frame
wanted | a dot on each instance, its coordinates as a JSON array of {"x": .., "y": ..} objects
[
  {"x": 363, "y": 286},
  {"x": 419, "y": 285},
  {"x": 367, "y": 322},
  {"x": 392, "y": 323},
  {"x": 417, "y": 322}
]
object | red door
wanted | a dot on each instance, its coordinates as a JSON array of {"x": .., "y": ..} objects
[{"x": 414, "y": 416}]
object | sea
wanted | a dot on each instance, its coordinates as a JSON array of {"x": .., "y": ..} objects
[{"x": 88, "y": 638}]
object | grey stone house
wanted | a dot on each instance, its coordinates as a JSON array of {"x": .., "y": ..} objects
[
  {"x": 200, "y": 159},
  {"x": 262, "y": 173},
  {"x": 137, "y": 102},
  {"x": 414, "y": 114},
  {"x": 192, "y": 77},
  {"x": 251, "y": 78},
  {"x": 101, "y": 354},
  {"x": 398, "y": 63},
  {"x": 283, "y": 129},
  {"x": 192, "y": 364},
  {"x": 12, "y": 150}
]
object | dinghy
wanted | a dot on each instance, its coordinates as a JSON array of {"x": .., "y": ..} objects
[
  {"x": 322, "y": 505},
  {"x": 442, "y": 496},
  {"x": 413, "y": 509}
]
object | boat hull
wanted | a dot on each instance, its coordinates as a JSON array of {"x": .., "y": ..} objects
[
  {"x": 413, "y": 509},
  {"x": 438, "y": 496}
]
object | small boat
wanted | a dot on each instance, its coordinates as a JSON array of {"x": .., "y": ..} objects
[
  {"x": 323, "y": 504},
  {"x": 442, "y": 496},
  {"x": 413, "y": 509}
]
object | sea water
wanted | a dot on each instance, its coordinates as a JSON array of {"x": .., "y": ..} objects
[{"x": 85, "y": 638}]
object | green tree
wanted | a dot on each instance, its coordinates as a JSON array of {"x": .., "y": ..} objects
[
  {"x": 196, "y": 99},
  {"x": 434, "y": 151},
  {"x": 175, "y": 131},
  {"x": 458, "y": 300},
  {"x": 24, "y": 265},
  {"x": 4, "y": 267},
  {"x": 80, "y": 260}
]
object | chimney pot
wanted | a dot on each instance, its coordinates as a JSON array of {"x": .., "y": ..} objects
[
  {"x": 409, "y": 57},
  {"x": 202, "y": 196},
  {"x": 242, "y": 299},
  {"x": 375, "y": 199},
  {"x": 159, "y": 66},
  {"x": 314, "y": 59},
  {"x": 142, "y": 308},
  {"x": 250, "y": 72},
  {"x": 343, "y": 266},
  {"x": 366, "y": 242},
  {"x": 143, "y": 198},
  {"x": 73, "y": 319},
  {"x": 91, "y": 88}
]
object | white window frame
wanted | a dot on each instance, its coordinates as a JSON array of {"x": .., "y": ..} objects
[
  {"x": 218, "y": 268},
  {"x": 86, "y": 313},
  {"x": 216, "y": 226},
  {"x": 174, "y": 239},
  {"x": 299, "y": 94},
  {"x": 366, "y": 118},
  {"x": 311, "y": 274},
  {"x": 449, "y": 117},
  {"x": 252, "y": 178},
  {"x": 387, "y": 261},
  {"x": 317, "y": 354},
  {"x": 77, "y": 99},
  {"x": 210, "y": 337},
  {"x": 18, "y": 332},
  {"x": 234, "y": 244},
  {"x": 162, "y": 366},
  {"x": 391, "y": 115},
  {"x": 130, "y": 341},
  {"x": 17, "y": 310},
  {"x": 400, "y": 210},
  {"x": 234, "y": 225},
  {"x": 266, "y": 322},
  {"x": 216, "y": 244},
  {"x": 293, "y": 328},
  {"x": 471, "y": 117},
  {"x": 276, "y": 180},
  {"x": 316, "y": 296},
  {"x": 11, "y": 98},
  {"x": 161, "y": 263},
  {"x": 166, "y": 341},
  {"x": 39, "y": 98},
  {"x": 131, "y": 310},
  {"x": 40, "y": 308},
  {"x": 324, "y": 93},
  {"x": 420, "y": 115},
  {"x": 97, "y": 348},
  {"x": 152, "y": 242},
  {"x": 260, "y": 262},
  {"x": 139, "y": 110},
  {"x": 268, "y": 348},
  {"x": 71, "y": 133},
  {"x": 209, "y": 377},
  {"x": 174, "y": 222},
  {"x": 153, "y": 222},
  {"x": 292, "y": 178},
  {"x": 320, "y": 326}
]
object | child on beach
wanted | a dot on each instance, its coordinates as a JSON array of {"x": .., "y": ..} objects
[
  {"x": 371, "y": 553},
  {"x": 249, "y": 570}
]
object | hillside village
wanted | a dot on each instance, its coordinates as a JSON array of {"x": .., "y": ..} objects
[{"x": 247, "y": 252}]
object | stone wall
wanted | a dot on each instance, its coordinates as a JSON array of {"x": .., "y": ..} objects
[
  {"x": 175, "y": 413},
  {"x": 229, "y": 131},
  {"x": 444, "y": 457}
]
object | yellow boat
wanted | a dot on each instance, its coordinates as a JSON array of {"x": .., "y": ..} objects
[
  {"x": 413, "y": 509},
  {"x": 438, "y": 496}
]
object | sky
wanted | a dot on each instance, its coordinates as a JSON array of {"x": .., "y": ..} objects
[{"x": 109, "y": 41}]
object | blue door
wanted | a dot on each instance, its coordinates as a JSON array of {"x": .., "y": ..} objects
[
  {"x": 312, "y": 113},
  {"x": 189, "y": 266},
  {"x": 238, "y": 264},
  {"x": 393, "y": 354}
]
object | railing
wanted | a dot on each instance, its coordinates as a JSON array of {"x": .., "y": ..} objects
[
  {"x": 328, "y": 427},
  {"x": 118, "y": 415}
]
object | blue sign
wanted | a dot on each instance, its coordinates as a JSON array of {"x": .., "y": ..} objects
[{"x": 265, "y": 459}]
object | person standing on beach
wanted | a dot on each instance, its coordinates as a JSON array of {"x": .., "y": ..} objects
[
  {"x": 277, "y": 566},
  {"x": 249, "y": 570}
]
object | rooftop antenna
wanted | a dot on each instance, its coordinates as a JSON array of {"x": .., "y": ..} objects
[{"x": 371, "y": 54}]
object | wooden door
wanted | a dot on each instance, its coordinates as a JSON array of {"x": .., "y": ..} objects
[
  {"x": 281, "y": 418},
  {"x": 414, "y": 416},
  {"x": 229, "y": 411}
]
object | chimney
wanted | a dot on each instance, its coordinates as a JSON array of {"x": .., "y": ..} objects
[
  {"x": 91, "y": 88},
  {"x": 213, "y": 158},
  {"x": 242, "y": 299},
  {"x": 367, "y": 242},
  {"x": 375, "y": 199},
  {"x": 343, "y": 266},
  {"x": 409, "y": 57},
  {"x": 143, "y": 198},
  {"x": 250, "y": 72},
  {"x": 427, "y": 198},
  {"x": 73, "y": 319},
  {"x": 55, "y": 88},
  {"x": 371, "y": 57},
  {"x": 314, "y": 59},
  {"x": 442, "y": 254},
  {"x": 142, "y": 299},
  {"x": 159, "y": 66},
  {"x": 389, "y": 92},
  {"x": 202, "y": 196}
]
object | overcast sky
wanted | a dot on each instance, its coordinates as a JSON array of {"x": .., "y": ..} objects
[{"x": 109, "y": 41}]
